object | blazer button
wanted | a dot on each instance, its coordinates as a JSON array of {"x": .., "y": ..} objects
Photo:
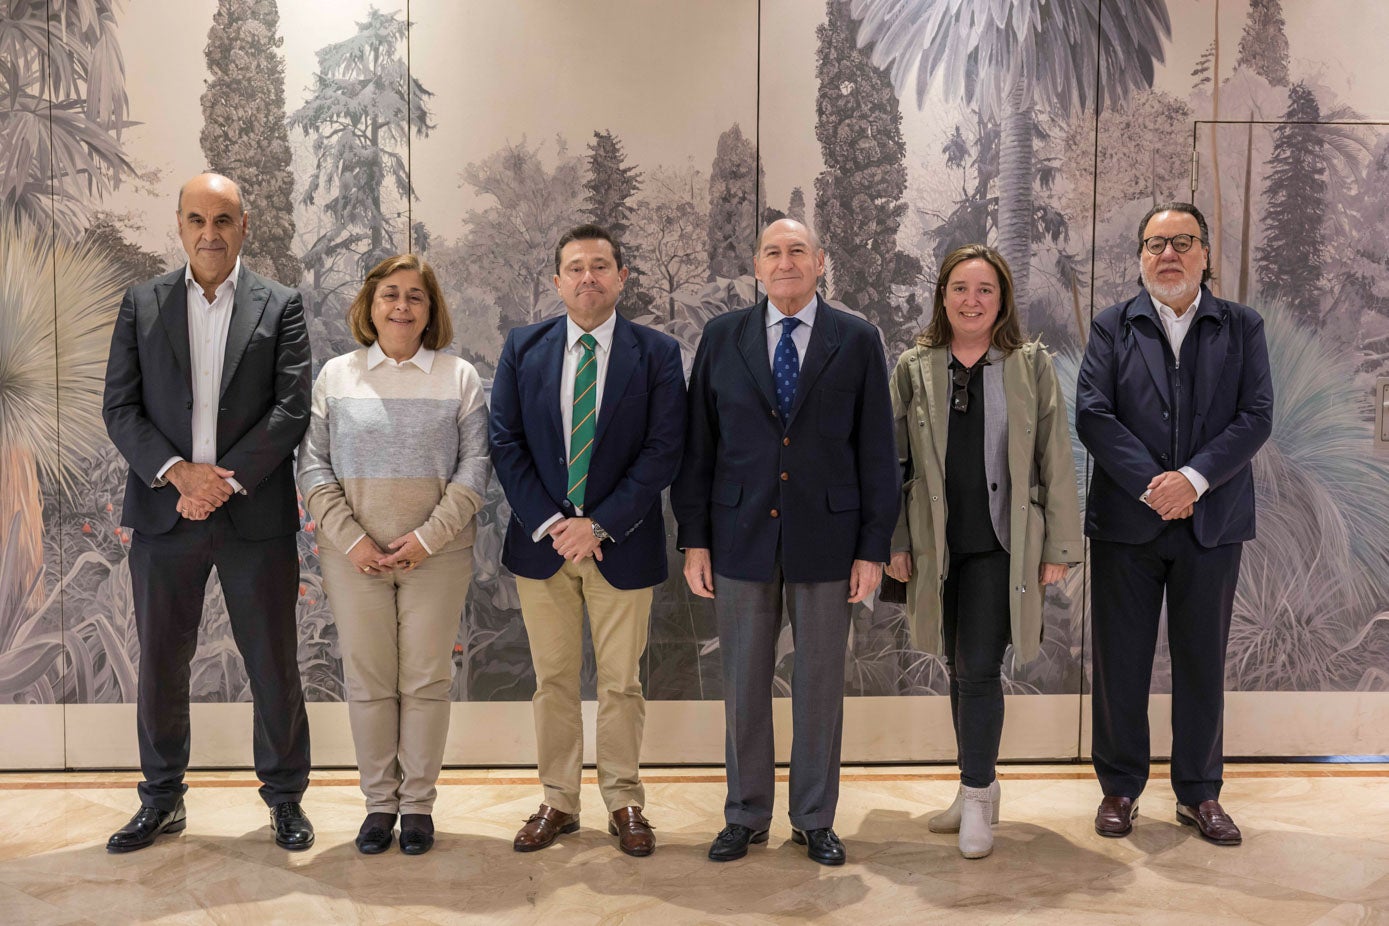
[
  {"x": 189, "y": 405},
  {"x": 786, "y": 442},
  {"x": 775, "y": 513},
  {"x": 1165, "y": 416},
  {"x": 1162, "y": 457},
  {"x": 993, "y": 487},
  {"x": 785, "y": 476}
]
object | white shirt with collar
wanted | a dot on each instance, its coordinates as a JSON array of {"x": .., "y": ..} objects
[
  {"x": 1176, "y": 327},
  {"x": 208, "y": 325},
  {"x": 800, "y": 336},
  {"x": 573, "y": 352}
]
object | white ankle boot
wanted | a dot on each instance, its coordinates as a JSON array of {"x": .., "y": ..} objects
[
  {"x": 976, "y": 838},
  {"x": 948, "y": 820}
]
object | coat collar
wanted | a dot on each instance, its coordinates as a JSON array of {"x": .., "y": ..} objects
[
  {"x": 752, "y": 345},
  {"x": 1208, "y": 327}
]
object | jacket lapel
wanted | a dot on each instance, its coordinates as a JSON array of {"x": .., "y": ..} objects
[
  {"x": 247, "y": 308},
  {"x": 1150, "y": 339},
  {"x": 1209, "y": 326},
  {"x": 935, "y": 375},
  {"x": 752, "y": 344},
  {"x": 621, "y": 364},
  {"x": 172, "y": 294},
  {"x": 549, "y": 357},
  {"x": 824, "y": 341}
]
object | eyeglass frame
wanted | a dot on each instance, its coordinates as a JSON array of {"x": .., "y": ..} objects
[{"x": 1172, "y": 240}]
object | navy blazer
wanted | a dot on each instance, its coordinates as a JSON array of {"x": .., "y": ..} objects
[
  {"x": 263, "y": 411},
  {"x": 1125, "y": 416},
  {"x": 636, "y": 449},
  {"x": 824, "y": 488}
]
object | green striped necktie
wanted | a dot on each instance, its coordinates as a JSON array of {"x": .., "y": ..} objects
[{"x": 584, "y": 420}]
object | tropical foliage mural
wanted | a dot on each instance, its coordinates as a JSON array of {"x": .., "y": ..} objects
[{"x": 1045, "y": 127}]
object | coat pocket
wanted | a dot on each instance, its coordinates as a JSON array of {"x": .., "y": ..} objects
[
  {"x": 843, "y": 498},
  {"x": 726, "y": 494}
]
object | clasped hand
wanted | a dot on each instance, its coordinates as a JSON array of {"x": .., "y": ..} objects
[
  {"x": 370, "y": 559},
  {"x": 202, "y": 488},
  {"x": 573, "y": 539},
  {"x": 1171, "y": 495}
]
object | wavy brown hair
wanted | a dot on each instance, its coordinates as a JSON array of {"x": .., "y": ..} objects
[
  {"x": 1007, "y": 333},
  {"x": 438, "y": 331}
]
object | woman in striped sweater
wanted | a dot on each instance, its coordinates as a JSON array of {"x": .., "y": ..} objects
[{"x": 394, "y": 468}]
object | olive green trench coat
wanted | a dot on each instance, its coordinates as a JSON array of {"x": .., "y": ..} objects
[{"x": 1044, "y": 507}]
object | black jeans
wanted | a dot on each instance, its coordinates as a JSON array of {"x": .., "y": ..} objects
[{"x": 975, "y": 633}]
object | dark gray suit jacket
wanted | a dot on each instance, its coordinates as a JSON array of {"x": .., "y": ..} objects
[{"x": 263, "y": 411}]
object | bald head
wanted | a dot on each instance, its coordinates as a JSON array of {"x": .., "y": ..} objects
[
  {"x": 792, "y": 226},
  {"x": 215, "y": 183},
  {"x": 212, "y": 226}
]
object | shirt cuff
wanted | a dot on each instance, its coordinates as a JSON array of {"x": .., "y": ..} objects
[
  {"x": 422, "y": 543},
  {"x": 355, "y": 542},
  {"x": 545, "y": 528},
  {"x": 236, "y": 486},
  {"x": 159, "y": 480},
  {"x": 1198, "y": 482}
]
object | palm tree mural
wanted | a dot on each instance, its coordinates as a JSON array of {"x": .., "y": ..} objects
[
  {"x": 36, "y": 368},
  {"x": 1009, "y": 58},
  {"x": 62, "y": 107}
]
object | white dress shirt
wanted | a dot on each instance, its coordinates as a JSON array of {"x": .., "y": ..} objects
[
  {"x": 1176, "y": 327},
  {"x": 208, "y": 324},
  {"x": 573, "y": 352},
  {"x": 800, "y": 336}
]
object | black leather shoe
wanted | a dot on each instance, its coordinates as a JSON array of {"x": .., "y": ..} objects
[
  {"x": 147, "y": 824},
  {"x": 293, "y": 831},
  {"x": 376, "y": 833},
  {"x": 822, "y": 845},
  {"x": 732, "y": 842},
  {"x": 416, "y": 833}
]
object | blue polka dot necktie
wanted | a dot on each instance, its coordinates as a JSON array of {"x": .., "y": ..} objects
[{"x": 786, "y": 368}]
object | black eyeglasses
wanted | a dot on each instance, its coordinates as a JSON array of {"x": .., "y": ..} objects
[
  {"x": 1180, "y": 243},
  {"x": 959, "y": 396}
]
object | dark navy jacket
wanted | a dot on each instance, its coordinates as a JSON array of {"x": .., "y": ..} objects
[
  {"x": 825, "y": 487},
  {"x": 636, "y": 449},
  {"x": 1140, "y": 413}
]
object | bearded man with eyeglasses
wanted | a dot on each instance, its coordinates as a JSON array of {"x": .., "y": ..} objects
[{"x": 1173, "y": 400}]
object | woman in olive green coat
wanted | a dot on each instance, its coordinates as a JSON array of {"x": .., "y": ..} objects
[{"x": 991, "y": 513}]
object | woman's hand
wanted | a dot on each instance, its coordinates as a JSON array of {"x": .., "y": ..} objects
[
  {"x": 1053, "y": 573},
  {"x": 366, "y": 556},
  {"x": 900, "y": 566},
  {"x": 407, "y": 553}
]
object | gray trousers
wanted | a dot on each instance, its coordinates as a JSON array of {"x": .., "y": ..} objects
[{"x": 749, "y": 618}]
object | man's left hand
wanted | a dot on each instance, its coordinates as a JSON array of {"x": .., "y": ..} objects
[
  {"x": 574, "y": 540},
  {"x": 863, "y": 578},
  {"x": 1169, "y": 494}
]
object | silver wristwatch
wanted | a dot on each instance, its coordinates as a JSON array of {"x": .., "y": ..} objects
[{"x": 600, "y": 533}]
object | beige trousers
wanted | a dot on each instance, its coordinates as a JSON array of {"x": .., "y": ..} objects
[
  {"x": 553, "y": 610},
  {"x": 397, "y": 633}
]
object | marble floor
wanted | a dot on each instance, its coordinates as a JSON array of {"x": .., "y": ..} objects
[{"x": 1316, "y": 850}]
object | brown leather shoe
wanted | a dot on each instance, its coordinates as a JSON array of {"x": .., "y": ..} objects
[
  {"x": 1212, "y": 821},
  {"x": 1115, "y": 816},
  {"x": 542, "y": 827},
  {"x": 633, "y": 831}
]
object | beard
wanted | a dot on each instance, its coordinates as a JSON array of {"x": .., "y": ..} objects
[{"x": 1169, "y": 294}]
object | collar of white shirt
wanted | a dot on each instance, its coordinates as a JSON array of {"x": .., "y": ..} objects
[
  {"x": 1171, "y": 313},
  {"x": 230, "y": 281},
  {"x": 806, "y": 315},
  {"x": 424, "y": 358},
  {"x": 603, "y": 334}
]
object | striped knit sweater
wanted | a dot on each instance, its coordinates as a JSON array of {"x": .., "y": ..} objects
[{"x": 392, "y": 449}]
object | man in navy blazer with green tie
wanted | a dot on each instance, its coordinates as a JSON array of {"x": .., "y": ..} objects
[{"x": 587, "y": 425}]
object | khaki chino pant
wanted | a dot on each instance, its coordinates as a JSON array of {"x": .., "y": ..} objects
[
  {"x": 397, "y": 633},
  {"x": 553, "y": 610}
]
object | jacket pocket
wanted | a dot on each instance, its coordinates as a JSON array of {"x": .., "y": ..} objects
[
  {"x": 843, "y": 498},
  {"x": 726, "y": 494}
]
